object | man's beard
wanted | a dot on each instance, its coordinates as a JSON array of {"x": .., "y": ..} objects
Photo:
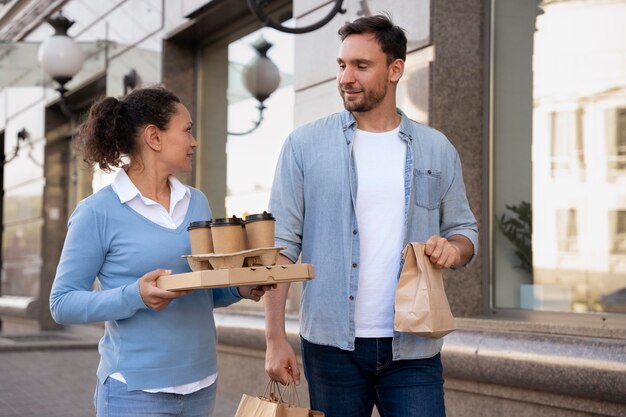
[{"x": 369, "y": 100}]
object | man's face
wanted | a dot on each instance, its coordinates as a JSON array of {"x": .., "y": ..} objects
[{"x": 363, "y": 75}]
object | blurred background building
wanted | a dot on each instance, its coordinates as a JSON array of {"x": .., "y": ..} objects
[{"x": 532, "y": 93}]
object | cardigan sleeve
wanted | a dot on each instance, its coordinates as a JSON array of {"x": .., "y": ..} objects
[
  {"x": 223, "y": 297},
  {"x": 72, "y": 298}
]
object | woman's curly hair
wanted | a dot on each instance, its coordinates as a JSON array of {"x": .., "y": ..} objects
[{"x": 112, "y": 126}]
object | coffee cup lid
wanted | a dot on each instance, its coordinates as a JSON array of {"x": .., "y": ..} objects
[
  {"x": 199, "y": 224},
  {"x": 227, "y": 221},
  {"x": 260, "y": 216}
]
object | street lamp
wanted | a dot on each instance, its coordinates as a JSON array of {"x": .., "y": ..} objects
[
  {"x": 261, "y": 78},
  {"x": 60, "y": 57},
  {"x": 256, "y": 7}
]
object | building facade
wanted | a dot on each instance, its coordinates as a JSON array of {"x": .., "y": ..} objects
[{"x": 532, "y": 94}]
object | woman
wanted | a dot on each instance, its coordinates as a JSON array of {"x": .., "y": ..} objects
[{"x": 158, "y": 349}]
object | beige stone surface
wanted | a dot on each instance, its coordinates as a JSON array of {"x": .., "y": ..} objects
[
  {"x": 457, "y": 95},
  {"x": 470, "y": 399}
]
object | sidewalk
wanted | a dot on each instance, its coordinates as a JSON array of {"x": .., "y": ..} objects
[{"x": 53, "y": 374}]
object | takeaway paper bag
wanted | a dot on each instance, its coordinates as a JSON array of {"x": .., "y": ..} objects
[
  {"x": 250, "y": 406},
  {"x": 265, "y": 407},
  {"x": 421, "y": 304},
  {"x": 273, "y": 404}
]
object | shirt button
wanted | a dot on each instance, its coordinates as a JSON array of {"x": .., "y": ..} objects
[
  {"x": 351, "y": 298},
  {"x": 354, "y": 232},
  {"x": 429, "y": 172},
  {"x": 354, "y": 265}
]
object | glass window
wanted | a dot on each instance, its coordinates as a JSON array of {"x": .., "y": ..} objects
[
  {"x": 558, "y": 155},
  {"x": 618, "y": 231},
  {"x": 251, "y": 157},
  {"x": 568, "y": 157},
  {"x": 567, "y": 230},
  {"x": 23, "y": 191},
  {"x": 252, "y": 152},
  {"x": 616, "y": 146}
]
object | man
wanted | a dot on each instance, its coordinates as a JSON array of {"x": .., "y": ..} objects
[{"x": 350, "y": 191}]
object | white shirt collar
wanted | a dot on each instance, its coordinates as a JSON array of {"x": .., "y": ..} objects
[
  {"x": 179, "y": 190},
  {"x": 126, "y": 190}
]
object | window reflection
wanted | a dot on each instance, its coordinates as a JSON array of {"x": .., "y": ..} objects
[
  {"x": 570, "y": 55},
  {"x": 616, "y": 144},
  {"x": 251, "y": 158},
  {"x": 568, "y": 157},
  {"x": 23, "y": 185},
  {"x": 618, "y": 223},
  {"x": 567, "y": 230}
]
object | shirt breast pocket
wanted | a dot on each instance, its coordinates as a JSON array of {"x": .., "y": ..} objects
[{"x": 427, "y": 188}]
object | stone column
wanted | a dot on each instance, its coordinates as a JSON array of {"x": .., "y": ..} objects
[{"x": 457, "y": 108}]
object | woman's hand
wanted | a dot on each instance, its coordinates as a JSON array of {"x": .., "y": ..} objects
[
  {"x": 154, "y": 297},
  {"x": 254, "y": 292}
]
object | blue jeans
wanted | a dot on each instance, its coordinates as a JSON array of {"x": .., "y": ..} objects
[
  {"x": 349, "y": 383},
  {"x": 112, "y": 399}
]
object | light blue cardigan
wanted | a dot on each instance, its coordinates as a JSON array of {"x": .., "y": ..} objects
[{"x": 151, "y": 349}]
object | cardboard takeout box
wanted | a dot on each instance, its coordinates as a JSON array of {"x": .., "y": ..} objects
[{"x": 234, "y": 277}]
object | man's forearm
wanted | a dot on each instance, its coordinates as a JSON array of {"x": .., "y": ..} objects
[{"x": 275, "y": 301}]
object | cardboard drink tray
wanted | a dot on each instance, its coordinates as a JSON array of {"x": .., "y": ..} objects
[
  {"x": 234, "y": 277},
  {"x": 249, "y": 257}
]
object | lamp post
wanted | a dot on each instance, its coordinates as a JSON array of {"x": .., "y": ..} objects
[
  {"x": 60, "y": 57},
  {"x": 261, "y": 78}
]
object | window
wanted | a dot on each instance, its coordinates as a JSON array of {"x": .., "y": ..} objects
[
  {"x": 619, "y": 232},
  {"x": 239, "y": 182},
  {"x": 558, "y": 156},
  {"x": 252, "y": 157},
  {"x": 24, "y": 182},
  {"x": 568, "y": 157},
  {"x": 616, "y": 155},
  {"x": 567, "y": 230}
]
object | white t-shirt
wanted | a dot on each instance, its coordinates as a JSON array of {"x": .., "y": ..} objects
[
  {"x": 380, "y": 160},
  {"x": 180, "y": 196}
]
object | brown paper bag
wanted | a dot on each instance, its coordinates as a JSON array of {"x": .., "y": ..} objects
[
  {"x": 250, "y": 406},
  {"x": 274, "y": 404},
  {"x": 421, "y": 304}
]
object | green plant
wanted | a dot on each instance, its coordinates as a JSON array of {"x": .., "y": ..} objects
[{"x": 518, "y": 230}]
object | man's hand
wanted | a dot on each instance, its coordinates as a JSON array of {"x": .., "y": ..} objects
[
  {"x": 455, "y": 251},
  {"x": 254, "y": 292},
  {"x": 441, "y": 252},
  {"x": 154, "y": 297},
  {"x": 280, "y": 362}
]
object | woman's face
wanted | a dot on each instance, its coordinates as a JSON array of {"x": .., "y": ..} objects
[{"x": 177, "y": 142}]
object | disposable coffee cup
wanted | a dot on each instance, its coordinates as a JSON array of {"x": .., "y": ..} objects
[
  {"x": 228, "y": 235},
  {"x": 200, "y": 237},
  {"x": 260, "y": 230}
]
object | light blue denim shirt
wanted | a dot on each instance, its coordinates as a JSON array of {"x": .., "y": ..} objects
[{"x": 313, "y": 200}]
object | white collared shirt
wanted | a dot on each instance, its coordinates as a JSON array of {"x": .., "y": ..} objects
[
  {"x": 150, "y": 209},
  {"x": 180, "y": 196}
]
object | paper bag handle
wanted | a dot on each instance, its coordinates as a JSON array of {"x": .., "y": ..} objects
[{"x": 271, "y": 389}]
